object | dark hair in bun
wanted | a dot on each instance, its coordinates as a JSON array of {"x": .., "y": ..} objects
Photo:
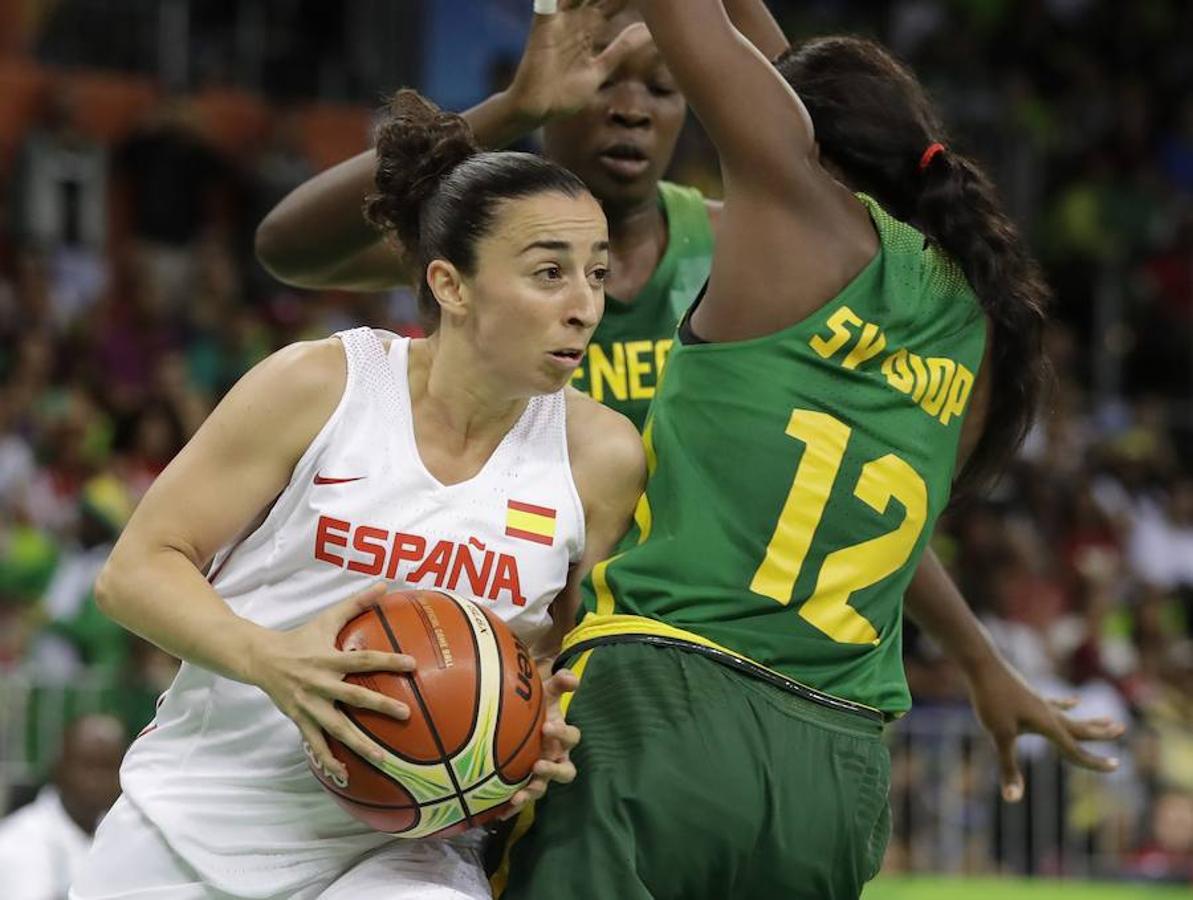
[{"x": 437, "y": 191}]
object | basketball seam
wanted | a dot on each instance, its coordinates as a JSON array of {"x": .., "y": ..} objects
[
  {"x": 380, "y": 741},
  {"x": 366, "y": 803},
  {"x": 476, "y": 692},
  {"x": 476, "y": 654},
  {"x": 416, "y": 808},
  {"x": 476, "y": 700},
  {"x": 500, "y": 701},
  {"x": 443, "y": 760},
  {"x": 525, "y": 738},
  {"x": 497, "y": 762}
]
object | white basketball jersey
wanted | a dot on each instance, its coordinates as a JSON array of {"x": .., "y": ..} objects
[{"x": 221, "y": 771}]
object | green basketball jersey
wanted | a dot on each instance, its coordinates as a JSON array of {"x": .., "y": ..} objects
[
  {"x": 795, "y": 480},
  {"x": 630, "y": 345}
]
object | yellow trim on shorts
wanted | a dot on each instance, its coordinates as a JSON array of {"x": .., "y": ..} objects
[
  {"x": 499, "y": 879},
  {"x": 578, "y": 670},
  {"x": 595, "y": 626}
]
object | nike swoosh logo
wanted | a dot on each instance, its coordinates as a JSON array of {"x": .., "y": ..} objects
[{"x": 319, "y": 479}]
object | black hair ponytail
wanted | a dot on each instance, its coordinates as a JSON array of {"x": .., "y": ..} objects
[{"x": 874, "y": 124}]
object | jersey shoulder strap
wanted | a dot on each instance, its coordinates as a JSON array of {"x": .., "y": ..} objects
[
  {"x": 690, "y": 243},
  {"x": 929, "y": 285},
  {"x": 687, "y": 218}
]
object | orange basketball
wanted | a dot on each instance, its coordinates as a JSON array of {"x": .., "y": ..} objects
[{"x": 476, "y": 716}]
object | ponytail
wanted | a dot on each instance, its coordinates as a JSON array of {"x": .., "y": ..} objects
[
  {"x": 957, "y": 208},
  {"x": 874, "y": 124}
]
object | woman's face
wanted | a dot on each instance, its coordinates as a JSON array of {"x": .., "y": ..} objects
[
  {"x": 622, "y": 142},
  {"x": 538, "y": 291}
]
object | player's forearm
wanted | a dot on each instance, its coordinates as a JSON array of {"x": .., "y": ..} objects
[
  {"x": 319, "y": 224},
  {"x": 754, "y": 20},
  {"x": 317, "y": 236},
  {"x": 500, "y": 121},
  {"x": 935, "y": 604},
  {"x": 161, "y": 596},
  {"x": 715, "y": 66}
]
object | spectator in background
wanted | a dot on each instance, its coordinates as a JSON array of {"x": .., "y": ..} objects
[
  {"x": 74, "y": 435},
  {"x": 155, "y": 435},
  {"x": 178, "y": 188},
  {"x": 28, "y": 557},
  {"x": 1167, "y": 712},
  {"x": 59, "y": 207},
  {"x": 17, "y": 464},
  {"x": 1176, "y": 150},
  {"x": 1161, "y": 549},
  {"x": 42, "y": 844},
  {"x": 76, "y": 634},
  {"x": 1167, "y": 852}
]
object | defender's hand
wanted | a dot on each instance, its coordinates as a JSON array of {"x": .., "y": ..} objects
[
  {"x": 558, "y": 740},
  {"x": 1008, "y": 707},
  {"x": 560, "y": 72}
]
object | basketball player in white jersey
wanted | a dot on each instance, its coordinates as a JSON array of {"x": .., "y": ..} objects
[{"x": 338, "y": 464}]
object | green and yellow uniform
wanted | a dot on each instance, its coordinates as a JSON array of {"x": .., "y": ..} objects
[
  {"x": 629, "y": 347},
  {"x": 794, "y": 482}
]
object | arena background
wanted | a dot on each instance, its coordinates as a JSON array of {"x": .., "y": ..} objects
[{"x": 140, "y": 142}]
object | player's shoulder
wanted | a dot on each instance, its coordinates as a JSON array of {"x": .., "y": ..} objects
[
  {"x": 593, "y": 421},
  {"x": 306, "y": 370},
  {"x": 692, "y": 198},
  {"x": 604, "y": 445},
  {"x": 293, "y": 391}
]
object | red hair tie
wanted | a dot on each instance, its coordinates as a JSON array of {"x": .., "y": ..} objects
[{"x": 930, "y": 154}]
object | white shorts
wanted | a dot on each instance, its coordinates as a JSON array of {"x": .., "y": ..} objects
[{"x": 130, "y": 859}]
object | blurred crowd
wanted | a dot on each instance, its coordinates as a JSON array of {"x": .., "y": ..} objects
[
  {"x": 1081, "y": 561},
  {"x": 130, "y": 301}
]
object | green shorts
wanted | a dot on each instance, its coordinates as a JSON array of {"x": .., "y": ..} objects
[{"x": 697, "y": 781}]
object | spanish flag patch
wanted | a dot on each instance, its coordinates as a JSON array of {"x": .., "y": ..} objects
[{"x": 530, "y": 523}]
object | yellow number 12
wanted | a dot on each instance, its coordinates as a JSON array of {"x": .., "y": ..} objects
[{"x": 849, "y": 569}]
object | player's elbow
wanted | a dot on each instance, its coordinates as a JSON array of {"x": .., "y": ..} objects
[
  {"x": 271, "y": 246},
  {"x": 107, "y": 590},
  {"x": 113, "y": 587}
]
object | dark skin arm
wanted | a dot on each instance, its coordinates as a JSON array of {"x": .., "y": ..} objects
[
  {"x": 1004, "y": 703},
  {"x": 755, "y": 22},
  {"x": 317, "y": 236},
  {"x": 787, "y": 222}
]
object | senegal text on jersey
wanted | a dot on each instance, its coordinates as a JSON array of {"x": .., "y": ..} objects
[
  {"x": 625, "y": 370},
  {"x": 939, "y": 385}
]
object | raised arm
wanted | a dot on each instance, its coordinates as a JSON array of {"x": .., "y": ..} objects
[
  {"x": 755, "y": 22},
  {"x": 734, "y": 90},
  {"x": 790, "y": 237},
  {"x": 1004, "y": 703},
  {"x": 317, "y": 237}
]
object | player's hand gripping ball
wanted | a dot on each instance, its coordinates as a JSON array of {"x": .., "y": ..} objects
[{"x": 476, "y": 717}]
